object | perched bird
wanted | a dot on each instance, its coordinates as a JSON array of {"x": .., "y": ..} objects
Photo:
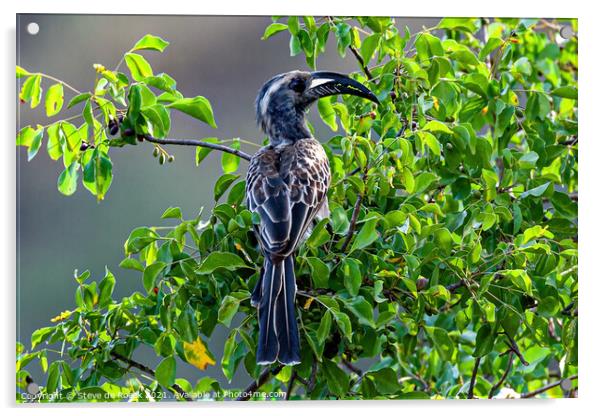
[{"x": 287, "y": 184}]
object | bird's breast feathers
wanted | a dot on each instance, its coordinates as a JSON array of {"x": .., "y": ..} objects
[{"x": 301, "y": 169}]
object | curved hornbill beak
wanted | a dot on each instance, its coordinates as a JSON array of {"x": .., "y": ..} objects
[{"x": 324, "y": 84}]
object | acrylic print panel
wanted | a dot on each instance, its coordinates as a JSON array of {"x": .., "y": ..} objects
[{"x": 422, "y": 246}]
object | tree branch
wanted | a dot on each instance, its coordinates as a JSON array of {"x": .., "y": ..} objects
[
  {"x": 473, "y": 378},
  {"x": 198, "y": 143},
  {"x": 546, "y": 387},
  {"x": 504, "y": 376},
  {"x": 353, "y": 368},
  {"x": 356, "y": 53},
  {"x": 255, "y": 385},
  {"x": 360, "y": 60},
  {"x": 354, "y": 217},
  {"x": 311, "y": 383},
  {"x": 291, "y": 384},
  {"x": 150, "y": 372},
  {"x": 514, "y": 348}
]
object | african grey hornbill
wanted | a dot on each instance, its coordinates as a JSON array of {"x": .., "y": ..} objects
[{"x": 287, "y": 184}]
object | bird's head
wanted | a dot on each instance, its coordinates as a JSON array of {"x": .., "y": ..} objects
[{"x": 282, "y": 101}]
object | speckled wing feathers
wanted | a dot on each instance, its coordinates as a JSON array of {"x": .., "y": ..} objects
[{"x": 286, "y": 186}]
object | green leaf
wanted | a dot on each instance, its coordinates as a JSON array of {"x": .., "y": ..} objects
[
  {"x": 485, "y": 340},
  {"x": 139, "y": 239},
  {"x": 336, "y": 379},
  {"x": 293, "y": 25},
  {"x": 67, "y": 182},
  {"x": 385, "y": 380},
  {"x": 327, "y": 113},
  {"x": 138, "y": 66},
  {"x": 319, "y": 235},
  {"x": 366, "y": 236},
  {"x": 295, "y": 46},
  {"x": 151, "y": 274},
  {"x": 220, "y": 259},
  {"x": 98, "y": 174},
  {"x": 523, "y": 66},
  {"x": 31, "y": 91},
  {"x": 477, "y": 83},
  {"x": 53, "y": 377},
  {"x": 40, "y": 335},
  {"x": 324, "y": 328},
  {"x": 344, "y": 324},
  {"x": 427, "y": 47},
  {"x": 222, "y": 185},
  {"x": 230, "y": 162},
  {"x": 132, "y": 264},
  {"x": 78, "y": 99},
  {"x": 352, "y": 275},
  {"x": 565, "y": 92},
  {"x": 187, "y": 324},
  {"x": 437, "y": 127},
  {"x": 22, "y": 72},
  {"x": 537, "y": 191},
  {"x": 228, "y": 309},
  {"x": 368, "y": 47},
  {"x": 197, "y": 107},
  {"x": 36, "y": 142},
  {"x": 54, "y": 99},
  {"x": 203, "y": 152},
  {"x": 106, "y": 287},
  {"x": 444, "y": 240},
  {"x": 150, "y": 42},
  {"x": 432, "y": 142},
  {"x": 272, "y": 29},
  {"x": 456, "y": 23},
  {"x": 443, "y": 344},
  {"x": 492, "y": 44},
  {"x": 320, "y": 273},
  {"x": 166, "y": 372},
  {"x": 362, "y": 310},
  {"x": 490, "y": 178},
  {"x": 158, "y": 115},
  {"x": 520, "y": 279},
  {"x": 25, "y": 136},
  {"x": 55, "y": 142},
  {"x": 172, "y": 212}
]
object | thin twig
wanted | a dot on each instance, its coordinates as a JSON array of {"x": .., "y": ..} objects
[
  {"x": 360, "y": 60},
  {"x": 504, "y": 376},
  {"x": 312, "y": 378},
  {"x": 473, "y": 378},
  {"x": 546, "y": 387},
  {"x": 247, "y": 393},
  {"x": 514, "y": 347},
  {"x": 354, "y": 218},
  {"x": 352, "y": 367},
  {"x": 50, "y": 77},
  {"x": 291, "y": 384},
  {"x": 150, "y": 372},
  {"x": 193, "y": 142},
  {"x": 455, "y": 286}
]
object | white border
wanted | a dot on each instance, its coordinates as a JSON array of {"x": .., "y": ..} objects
[{"x": 589, "y": 217}]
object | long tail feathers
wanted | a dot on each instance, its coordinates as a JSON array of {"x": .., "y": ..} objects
[{"x": 278, "y": 331}]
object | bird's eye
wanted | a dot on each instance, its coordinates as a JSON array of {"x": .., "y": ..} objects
[{"x": 297, "y": 85}]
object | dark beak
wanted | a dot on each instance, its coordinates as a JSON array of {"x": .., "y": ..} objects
[{"x": 324, "y": 84}]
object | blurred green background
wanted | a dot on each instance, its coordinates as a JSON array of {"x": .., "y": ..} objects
[{"x": 220, "y": 57}]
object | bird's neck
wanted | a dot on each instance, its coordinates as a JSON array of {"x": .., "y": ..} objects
[{"x": 287, "y": 127}]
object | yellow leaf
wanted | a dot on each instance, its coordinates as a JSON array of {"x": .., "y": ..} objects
[
  {"x": 197, "y": 354},
  {"x": 308, "y": 303},
  {"x": 62, "y": 316}
]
